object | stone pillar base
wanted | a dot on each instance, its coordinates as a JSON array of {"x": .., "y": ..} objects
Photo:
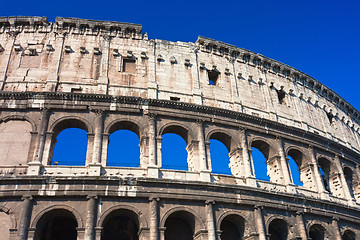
[
  {"x": 205, "y": 176},
  {"x": 251, "y": 182},
  {"x": 34, "y": 168},
  {"x": 94, "y": 169},
  {"x": 291, "y": 189},
  {"x": 153, "y": 171}
]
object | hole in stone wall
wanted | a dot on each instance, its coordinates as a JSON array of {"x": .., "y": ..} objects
[
  {"x": 180, "y": 226},
  {"x": 281, "y": 94},
  {"x": 348, "y": 235},
  {"x": 219, "y": 157},
  {"x": 324, "y": 169},
  {"x": 173, "y": 152},
  {"x": 70, "y": 147},
  {"x": 123, "y": 149},
  {"x": 175, "y": 98},
  {"x": 120, "y": 224},
  {"x": 213, "y": 76},
  {"x": 232, "y": 227},
  {"x": 349, "y": 179},
  {"x": 129, "y": 65}
]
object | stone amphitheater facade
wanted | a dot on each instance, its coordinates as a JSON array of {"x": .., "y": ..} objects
[{"x": 103, "y": 76}]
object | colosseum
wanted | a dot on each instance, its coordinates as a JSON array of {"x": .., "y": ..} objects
[{"x": 102, "y": 77}]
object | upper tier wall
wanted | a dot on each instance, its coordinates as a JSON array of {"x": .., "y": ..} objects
[{"x": 86, "y": 56}]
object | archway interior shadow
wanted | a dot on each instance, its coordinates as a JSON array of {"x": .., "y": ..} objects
[
  {"x": 57, "y": 224},
  {"x": 232, "y": 227},
  {"x": 179, "y": 226},
  {"x": 123, "y": 149},
  {"x": 120, "y": 224},
  {"x": 278, "y": 230},
  {"x": 70, "y": 148}
]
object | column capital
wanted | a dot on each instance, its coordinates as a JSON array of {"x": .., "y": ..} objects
[
  {"x": 44, "y": 110},
  {"x": 92, "y": 197},
  {"x": 29, "y": 197},
  {"x": 258, "y": 207},
  {"x": 299, "y": 213},
  {"x": 151, "y": 116},
  {"x": 209, "y": 202},
  {"x": 97, "y": 111},
  {"x": 152, "y": 199},
  {"x": 200, "y": 121},
  {"x": 335, "y": 219},
  {"x": 242, "y": 129}
]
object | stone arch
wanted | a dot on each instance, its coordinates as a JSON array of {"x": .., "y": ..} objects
[
  {"x": 20, "y": 117},
  {"x": 348, "y": 234},
  {"x": 235, "y": 218},
  {"x": 141, "y": 218},
  {"x": 16, "y": 140},
  {"x": 316, "y": 231},
  {"x": 57, "y": 222},
  {"x": 67, "y": 121},
  {"x": 264, "y": 145},
  {"x": 330, "y": 176},
  {"x": 126, "y": 124},
  {"x": 199, "y": 222},
  {"x": 278, "y": 228},
  {"x": 179, "y": 129},
  {"x": 350, "y": 179},
  {"x": 303, "y": 167},
  {"x": 223, "y": 136},
  {"x": 274, "y": 217},
  {"x": 76, "y": 214}
]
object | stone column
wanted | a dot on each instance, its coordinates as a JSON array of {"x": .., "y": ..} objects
[
  {"x": 95, "y": 165},
  {"x": 248, "y": 170},
  {"x": 335, "y": 229},
  {"x": 204, "y": 166},
  {"x": 211, "y": 226},
  {"x": 162, "y": 233},
  {"x": 345, "y": 187},
  {"x": 153, "y": 166},
  {"x": 91, "y": 218},
  {"x": 300, "y": 225},
  {"x": 35, "y": 166},
  {"x": 284, "y": 163},
  {"x": 154, "y": 218},
  {"x": 319, "y": 183},
  {"x": 25, "y": 216},
  {"x": 259, "y": 221}
]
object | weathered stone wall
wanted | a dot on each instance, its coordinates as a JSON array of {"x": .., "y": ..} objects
[{"x": 105, "y": 76}]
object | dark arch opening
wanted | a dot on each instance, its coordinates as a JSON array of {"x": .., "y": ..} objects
[
  {"x": 56, "y": 224},
  {"x": 180, "y": 226},
  {"x": 232, "y": 228},
  {"x": 324, "y": 168},
  {"x": 348, "y": 235},
  {"x": 69, "y": 147},
  {"x": 260, "y": 152},
  {"x": 120, "y": 224},
  {"x": 123, "y": 149},
  {"x": 278, "y": 230},
  {"x": 317, "y": 232},
  {"x": 219, "y": 153},
  {"x": 348, "y": 173},
  {"x": 173, "y": 149}
]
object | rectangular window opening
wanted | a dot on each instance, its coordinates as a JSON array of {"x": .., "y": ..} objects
[
  {"x": 129, "y": 65},
  {"x": 175, "y": 98}
]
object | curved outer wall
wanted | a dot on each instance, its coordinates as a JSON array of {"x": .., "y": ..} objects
[{"x": 104, "y": 76}]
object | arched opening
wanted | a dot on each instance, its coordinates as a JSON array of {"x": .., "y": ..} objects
[
  {"x": 69, "y": 143},
  {"x": 180, "y": 226},
  {"x": 232, "y": 227},
  {"x": 15, "y": 137},
  {"x": 120, "y": 224},
  {"x": 123, "y": 145},
  {"x": 174, "y": 148},
  {"x": 348, "y": 173},
  {"x": 5, "y": 225},
  {"x": 278, "y": 230},
  {"x": 59, "y": 224},
  {"x": 324, "y": 169},
  {"x": 348, "y": 235},
  {"x": 219, "y": 153},
  {"x": 295, "y": 159},
  {"x": 317, "y": 232},
  {"x": 260, "y": 152}
]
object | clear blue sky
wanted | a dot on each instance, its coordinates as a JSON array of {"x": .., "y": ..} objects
[{"x": 320, "y": 38}]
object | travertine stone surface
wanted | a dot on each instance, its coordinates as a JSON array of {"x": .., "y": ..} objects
[{"x": 107, "y": 76}]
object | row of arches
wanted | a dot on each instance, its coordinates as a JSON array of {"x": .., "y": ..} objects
[
  {"x": 126, "y": 143},
  {"x": 61, "y": 224}
]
